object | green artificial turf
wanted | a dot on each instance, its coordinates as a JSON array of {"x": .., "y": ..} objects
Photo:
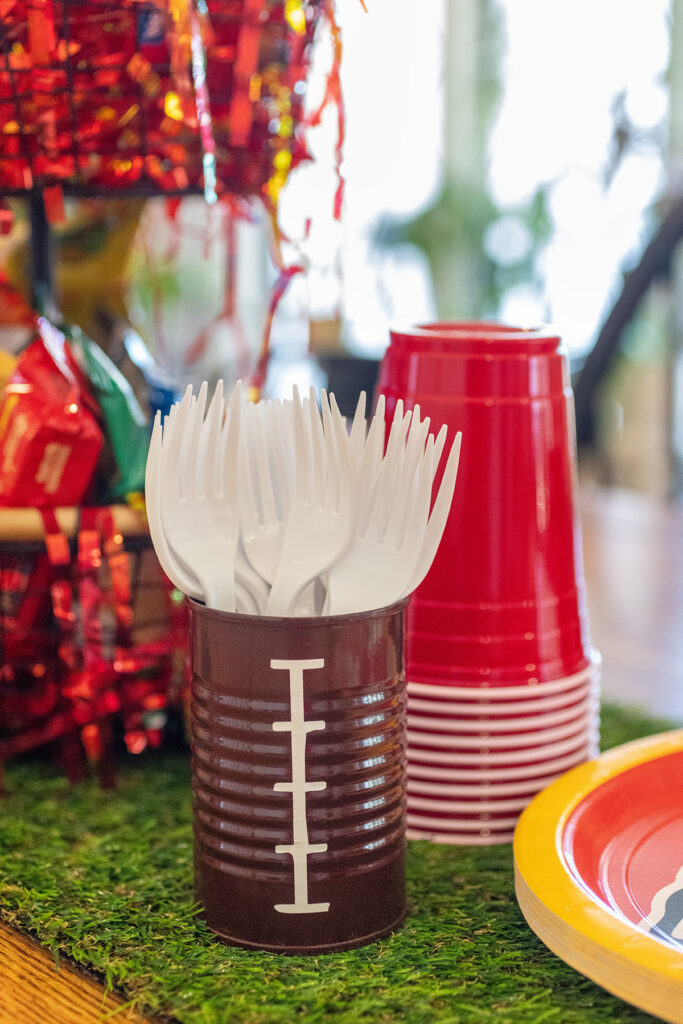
[{"x": 105, "y": 878}]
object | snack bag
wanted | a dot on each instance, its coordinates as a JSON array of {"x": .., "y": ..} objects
[
  {"x": 127, "y": 428},
  {"x": 50, "y": 439},
  {"x": 8, "y": 364}
]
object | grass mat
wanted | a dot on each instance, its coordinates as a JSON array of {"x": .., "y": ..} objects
[{"x": 105, "y": 878}]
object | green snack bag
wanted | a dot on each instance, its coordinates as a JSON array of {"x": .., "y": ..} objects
[{"x": 126, "y": 424}]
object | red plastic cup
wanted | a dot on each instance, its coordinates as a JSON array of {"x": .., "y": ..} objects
[
  {"x": 525, "y": 728},
  {"x": 488, "y": 758},
  {"x": 485, "y": 775},
  {"x": 504, "y": 601},
  {"x": 475, "y": 713},
  {"x": 487, "y": 742},
  {"x": 461, "y": 824},
  {"x": 475, "y": 804},
  {"x": 485, "y": 789},
  {"x": 486, "y": 837},
  {"x": 486, "y": 696}
]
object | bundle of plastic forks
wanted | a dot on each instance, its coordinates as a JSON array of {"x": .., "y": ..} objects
[{"x": 278, "y": 508}]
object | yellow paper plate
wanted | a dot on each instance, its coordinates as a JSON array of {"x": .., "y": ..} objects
[{"x": 599, "y": 871}]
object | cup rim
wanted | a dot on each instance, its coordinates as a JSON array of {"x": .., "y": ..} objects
[
  {"x": 509, "y": 758},
  {"x": 512, "y": 741},
  {"x": 518, "y": 773},
  {"x": 463, "y": 824},
  {"x": 491, "y": 328},
  {"x": 530, "y": 726},
  {"x": 569, "y": 698},
  {"x": 479, "y": 337},
  {"x": 444, "y": 839},
  {"x": 479, "y": 806},
  {"x": 529, "y": 786},
  {"x": 549, "y": 686}
]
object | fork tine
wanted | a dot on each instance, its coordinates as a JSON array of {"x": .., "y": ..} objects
[
  {"x": 263, "y": 474},
  {"x": 154, "y": 509},
  {"x": 450, "y": 473},
  {"x": 347, "y": 483},
  {"x": 358, "y": 429},
  {"x": 231, "y": 435},
  {"x": 415, "y": 444},
  {"x": 318, "y": 449},
  {"x": 280, "y": 442},
  {"x": 374, "y": 443},
  {"x": 302, "y": 486},
  {"x": 440, "y": 510},
  {"x": 330, "y": 441},
  {"x": 172, "y": 458},
  {"x": 209, "y": 479},
  {"x": 369, "y": 467},
  {"x": 188, "y": 430},
  {"x": 399, "y": 429},
  {"x": 288, "y": 434},
  {"x": 411, "y": 531},
  {"x": 390, "y": 470},
  {"x": 248, "y": 505},
  {"x": 439, "y": 443},
  {"x": 397, "y": 418},
  {"x": 389, "y": 526},
  {"x": 153, "y": 454},
  {"x": 177, "y": 411}
]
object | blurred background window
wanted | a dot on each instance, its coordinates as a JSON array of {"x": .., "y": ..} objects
[{"x": 505, "y": 162}]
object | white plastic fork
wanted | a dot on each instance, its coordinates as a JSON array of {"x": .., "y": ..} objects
[
  {"x": 319, "y": 524},
  {"x": 178, "y": 573},
  {"x": 379, "y": 474},
  {"x": 198, "y": 496},
  {"x": 437, "y": 518},
  {"x": 262, "y": 514},
  {"x": 358, "y": 431},
  {"x": 184, "y": 580},
  {"x": 376, "y": 569},
  {"x": 267, "y": 479}
]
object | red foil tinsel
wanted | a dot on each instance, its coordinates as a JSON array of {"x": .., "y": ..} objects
[{"x": 155, "y": 96}]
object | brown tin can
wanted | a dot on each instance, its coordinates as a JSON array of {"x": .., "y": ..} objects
[{"x": 298, "y": 777}]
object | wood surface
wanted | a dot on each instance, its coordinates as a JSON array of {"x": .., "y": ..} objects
[
  {"x": 34, "y": 991},
  {"x": 26, "y": 524}
]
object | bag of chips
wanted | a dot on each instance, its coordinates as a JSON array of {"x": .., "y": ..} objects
[
  {"x": 50, "y": 439},
  {"x": 126, "y": 426}
]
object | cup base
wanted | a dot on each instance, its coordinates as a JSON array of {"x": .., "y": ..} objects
[{"x": 326, "y": 947}]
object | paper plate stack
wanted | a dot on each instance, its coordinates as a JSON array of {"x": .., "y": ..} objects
[{"x": 599, "y": 871}]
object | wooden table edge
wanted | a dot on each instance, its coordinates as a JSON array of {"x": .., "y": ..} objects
[
  {"x": 26, "y": 524},
  {"x": 35, "y": 990}
]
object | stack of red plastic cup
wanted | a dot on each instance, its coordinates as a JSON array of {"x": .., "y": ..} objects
[{"x": 503, "y": 684}]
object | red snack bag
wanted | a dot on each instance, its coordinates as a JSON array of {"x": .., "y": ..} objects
[{"x": 49, "y": 436}]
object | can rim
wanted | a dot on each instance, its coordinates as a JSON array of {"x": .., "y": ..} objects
[{"x": 300, "y": 622}]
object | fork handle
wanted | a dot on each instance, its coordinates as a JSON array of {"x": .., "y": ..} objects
[{"x": 285, "y": 593}]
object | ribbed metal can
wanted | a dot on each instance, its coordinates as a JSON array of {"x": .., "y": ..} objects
[{"x": 298, "y": 777}]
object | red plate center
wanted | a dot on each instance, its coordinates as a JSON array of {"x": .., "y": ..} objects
[{"x": 623, "y": 843}]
